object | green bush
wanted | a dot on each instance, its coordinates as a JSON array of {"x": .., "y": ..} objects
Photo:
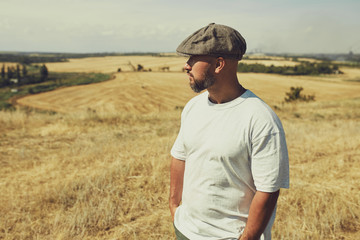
[
  {"x": 305, "y": 68},
  {"x": 295, "y": 95},
  {"x": 42, "y": 88},
  {"x": 6, "y": 106}
]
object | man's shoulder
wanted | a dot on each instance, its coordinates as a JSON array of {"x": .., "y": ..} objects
[
  {"x": 257, "y": 105},
  {"x": 198, "y": 99},
  {"x": 261, "y": 113}
]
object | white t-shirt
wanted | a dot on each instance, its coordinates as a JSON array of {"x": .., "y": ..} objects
[{"x": 231, "y": 150}]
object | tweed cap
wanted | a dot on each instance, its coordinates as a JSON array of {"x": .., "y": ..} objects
[{"x": 214, "y": 40}]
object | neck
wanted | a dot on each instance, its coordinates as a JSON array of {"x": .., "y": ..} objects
[{"x": 225, "y": 93}]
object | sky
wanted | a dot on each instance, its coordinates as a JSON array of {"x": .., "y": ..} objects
[{"x": 93, "y": 26}]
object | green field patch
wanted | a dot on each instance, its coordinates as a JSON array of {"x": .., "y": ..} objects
[{"x": 55, "y": 80}]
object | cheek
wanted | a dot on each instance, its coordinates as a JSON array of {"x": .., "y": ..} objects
[
  {"x": 201, "y": 71},
  {"x": 199, "y": 76}
]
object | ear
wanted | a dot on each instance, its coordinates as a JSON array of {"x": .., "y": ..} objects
[{"x": 220, "y": 64}]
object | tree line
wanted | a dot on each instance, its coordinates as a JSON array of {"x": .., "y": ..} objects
[
  {"x": 27, "y": 59},
  {"x": 19, "y": 75},
  {"x": 304, "y": 68}
]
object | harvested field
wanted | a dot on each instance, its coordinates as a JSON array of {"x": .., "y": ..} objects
[
  {"x": 128, "y": 92},
  {"x": 112, "y": 63},
  {"x": 145, "y": 92},
  {"x": 8, "y": 64},
  {"x": 271, "y": 62},
  {"x": 99, "y": 167},
  {"x": 351, "y": 74}
]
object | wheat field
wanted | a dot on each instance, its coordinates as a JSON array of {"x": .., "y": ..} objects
[
  {"x": 111, "y": 64},
  {"x": 99, "y": 167}
]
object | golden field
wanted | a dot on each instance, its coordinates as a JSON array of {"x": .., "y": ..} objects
[
  {"x": 99, "y": 167},
  {"x": 111, "y": 64}
]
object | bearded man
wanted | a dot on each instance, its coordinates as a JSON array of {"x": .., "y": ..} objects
[{"x": 230, "y": 157}]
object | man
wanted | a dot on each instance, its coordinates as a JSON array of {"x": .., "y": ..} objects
[{"x": 230, "y": 157}]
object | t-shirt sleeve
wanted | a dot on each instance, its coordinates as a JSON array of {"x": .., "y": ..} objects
[
  {"x": 270, "y": 162},
  {"x": 178, "y": 149}
]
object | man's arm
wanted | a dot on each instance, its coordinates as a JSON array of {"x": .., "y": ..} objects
[
  {"x": 261, "y": 209},
  {"x": 176, "y": 184}
]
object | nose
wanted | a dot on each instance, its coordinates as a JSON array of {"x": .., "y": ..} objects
[{"x": 187, "y": 67}]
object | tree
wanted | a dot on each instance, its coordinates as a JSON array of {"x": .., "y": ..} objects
[
  {"x": 10, "y": 73},
  {"x": 24, "y": 70},
  {"x": 25, "y": 60},
  {"x": 43, "y": 73},
  {"x": 3, "y": 71},
  {"x": 18, "y": 75}
]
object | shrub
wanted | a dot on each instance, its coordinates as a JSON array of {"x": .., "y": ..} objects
[
  {"x": 140, "y": 68},
  {"x": 295, "y": 95},
  {"x": 6, "y": 106},
  {"x": 304, "y": 68}
]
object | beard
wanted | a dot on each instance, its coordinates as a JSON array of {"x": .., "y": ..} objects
[{"x": 199, "y": 85}]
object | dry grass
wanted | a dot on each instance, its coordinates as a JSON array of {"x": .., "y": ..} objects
[
  {"x": 175, "y": 63},
  {"x": 129, "y": 92},
  {"x": 100, "y": 171},
  {"x": 8, "y": 64},
  {"x": 269, "y": 62},
  {"x": 112, "y": 63},
  {"x": 324, "y": 147},
  {"x": 351, "y": 74},
  {"x": 275, "y": 60},
  {"x": 85, "y": 176},
  {"x": 144, "y": 92}
]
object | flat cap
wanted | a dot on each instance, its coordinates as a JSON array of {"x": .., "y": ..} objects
[{"x": 214, "y": 40}]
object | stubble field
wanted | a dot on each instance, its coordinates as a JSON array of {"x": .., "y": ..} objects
[{"x": 99, "y": 167}]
